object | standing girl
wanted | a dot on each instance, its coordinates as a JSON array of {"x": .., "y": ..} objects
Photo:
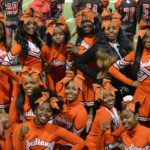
[
  {"x": 28, "y": 44},
  {"x": 88, "y": 33},
  {"x": 115, "y": 42},
  {"x": 141, "y": 59},
  {"x": 53, "y": 54}
]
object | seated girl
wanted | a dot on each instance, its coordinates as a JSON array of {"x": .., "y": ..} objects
[{"x": 135, "y": 136}]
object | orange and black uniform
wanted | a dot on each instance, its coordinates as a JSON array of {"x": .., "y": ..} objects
[
  {"x": 144, "y": 10},
  {"x": 142, "y": 93},
  {"x": 79, "y": 5},
  {"x": 73, "y": 117},
  {"x": 5, "y": 81},
  {"x": 15, "y": 116},
  {"x": 88, "y": 94},
  {"x": 96, "y": 134},
  {"x": 44, "y": 137},
  {"x": 137, "y": 138},
  {"x": 32, "y": 59},
  {"x": 128, "y": 12},
  {"x": 56, "y": 56}
]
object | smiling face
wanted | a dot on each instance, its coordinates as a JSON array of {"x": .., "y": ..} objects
[
  {"x": 87, "y": 26},
  {"x": 29, "y": 85},
  {"x": 71, "y": 91},
  {"x": 43, "y": 113},
  {"x": 129, "y": 119},
  {"x": 111, "y": 32},
  {"x": 58, "y": 36},
  {"x": 30, "y": 27},
  {"x": 108, "y": 99},
  {"x": 146, "y": 40}
]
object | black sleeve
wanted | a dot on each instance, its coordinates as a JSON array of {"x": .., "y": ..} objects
[{"x": 80, "y": 63}]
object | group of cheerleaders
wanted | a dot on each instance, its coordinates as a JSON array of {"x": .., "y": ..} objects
[{"x": 70, "y": 96}]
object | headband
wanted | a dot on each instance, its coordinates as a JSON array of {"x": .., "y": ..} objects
[
  {"x": 78, "y": 81},
  {"x": 110, "y": 18},
  {"x": 143, "y": 28},
  {"x": 26, "y": 72},
  {"x": 45, "y": 97},
  {"x": 51, "y": 24},
  {"x": 106, "y": 85},
  {"x": 87, "y": 14},
  {"x": 31, "y": 13}
]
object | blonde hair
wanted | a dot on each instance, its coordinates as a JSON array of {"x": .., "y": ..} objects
[{"x": 105, "y": 59}]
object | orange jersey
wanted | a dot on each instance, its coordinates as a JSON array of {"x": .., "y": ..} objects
[
  {"x": 96, "y": 134},
  {"x": 142, "y": 93},
  {"x": 88, "y": 94},
  {"x": 44, "y": 137},
  {"x": 15, "y": 117},
  {"x": 138, "y": 138},
  {"x": 73, "y": 117},
  {"x": 7, "y": 143},
  {"x": 5, "y": 81},
  {"x": 57, "y": 58},
  {"x": 32, "y": 59},
  {"x": 86, "y": 43}
]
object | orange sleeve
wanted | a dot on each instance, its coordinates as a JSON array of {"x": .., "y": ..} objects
[
  {"x": 13, "y": 114},
  {"x": 118, "y": 75},
  {"x": 120, "y": 64},
  {"x": 17, "y": 143},
  {"x": 118, "y": 132},
  {"x": 96, "y": 134},
  {"x": 76, "y": 141},
  {"x": 80, "y": 121},
  {"x": 9, "y": 72},
  {"x": 8, "y": 140},
  {"x": 16, "y": 49}
]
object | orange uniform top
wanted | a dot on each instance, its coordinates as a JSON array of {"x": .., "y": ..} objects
[
  {"x": 7, "y": 143},
  {"x": 73, "y": 117},
  {"x": 5, "y": 81},
  {"x": 15, "y": 117},
  {"x": 96, "y": 134},
  {"x": 44, "y": 137},
  {"x": 138, "y": 138},
  {"x": 86, "y": 43},
  {"x": 55, "y": 56},
  {"x": 142, "y": 93},
  {"x": 88, "y": 94},
  {"x": 32, "y": 59}
]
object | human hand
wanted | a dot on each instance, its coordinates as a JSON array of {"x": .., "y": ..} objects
[
  {"x": 105, "y": 125},
  {"x": 135, "y": 83},
  {"x": 24, "y": 130},
  {"x": 72, "y": 49}
]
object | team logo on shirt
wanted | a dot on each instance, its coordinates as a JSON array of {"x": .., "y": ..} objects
[
  {"x": 133, "y": 147},
  {"x": 63, "y": 122},
  {"x": 145, "y": 64},
  {"x": 39, "y": 142}
]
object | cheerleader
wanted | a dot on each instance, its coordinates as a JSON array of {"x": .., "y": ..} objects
[{"x": 37, "y": 134}]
